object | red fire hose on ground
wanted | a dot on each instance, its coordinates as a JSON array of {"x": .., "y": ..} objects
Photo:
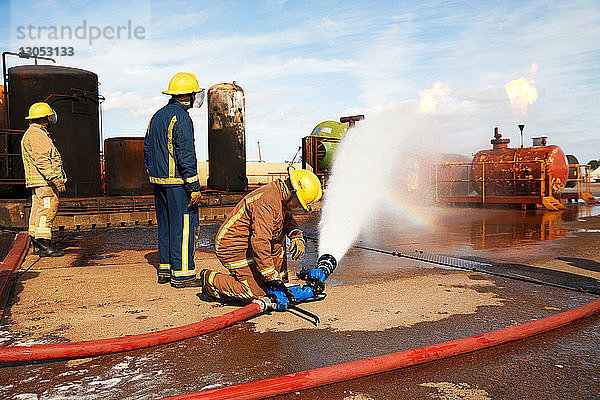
[
  {"x": 9, "y": 266},
  {"x": 369, "y": 366},
  {"x": 103, "y": 346},
  {"x": 125, "y": 343}
]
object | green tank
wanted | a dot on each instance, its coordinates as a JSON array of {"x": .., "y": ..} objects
[{"x": 323, "y": 142}]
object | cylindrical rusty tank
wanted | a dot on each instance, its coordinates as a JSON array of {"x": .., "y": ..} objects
[
  {"x": 73, "y": 94},
  {"x": 525, "y": 171},
  {"x": 226, "y": 138},
  {"x": 125, "y": 173}
]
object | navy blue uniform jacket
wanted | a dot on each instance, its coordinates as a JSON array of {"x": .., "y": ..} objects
[{"x": 169, "y": 153}]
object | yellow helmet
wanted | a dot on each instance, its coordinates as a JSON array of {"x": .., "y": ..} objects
[
  {"x": 306, "y": 185},
  {"x": 183, "y": 83},
  {"x": 40, "y": 110}
]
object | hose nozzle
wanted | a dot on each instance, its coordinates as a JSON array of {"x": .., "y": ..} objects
[
  {"x": 327, "y": 264},
  {"x": 315, "y": 277}
]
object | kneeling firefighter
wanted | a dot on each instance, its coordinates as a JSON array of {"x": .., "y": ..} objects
[
  {"x": 44, "y": 174},
  {"x": 251, "y": 241}
]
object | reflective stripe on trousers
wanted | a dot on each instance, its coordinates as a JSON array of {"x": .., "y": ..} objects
[
  {"x": 44, "y": 205},
  {"x": 176, "y": 232}
]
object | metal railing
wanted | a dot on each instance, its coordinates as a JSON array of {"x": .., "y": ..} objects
[
  {"x": 9, "y": 138},
  {"x": 582, "y": 178},
  {"x": 257, "y": 179},
  {"x": 449, "y": 179}
]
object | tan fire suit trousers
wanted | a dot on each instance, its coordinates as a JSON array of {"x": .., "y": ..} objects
[
  {"x": 244, "y": 281},
  {"x": 44, "y": 205}
]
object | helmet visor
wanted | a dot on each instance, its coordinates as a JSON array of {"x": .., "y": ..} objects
[
  {"x": 52, "y": 118},
  {"x": 199, "y": 99}
]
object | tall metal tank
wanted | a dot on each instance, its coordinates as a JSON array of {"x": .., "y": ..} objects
[
  {"x": 125, "y": 173},
  {"x": 73, "y": 94},
  {"x": 518, "y": 171},
  {"x": 226, "y": 138}
]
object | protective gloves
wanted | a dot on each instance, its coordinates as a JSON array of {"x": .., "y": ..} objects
[
  {"x": 195, "y": 199},
  {"x": 297, "y": 247},
  {"x": 277, "y": 284}
]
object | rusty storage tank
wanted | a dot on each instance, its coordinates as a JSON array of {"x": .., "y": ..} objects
[
  {"x": 518, "y": 171},
  {"x": 226, "y": 138},
  {"x": 125, "y": 173},
  {"x": 73, "y": 94}
]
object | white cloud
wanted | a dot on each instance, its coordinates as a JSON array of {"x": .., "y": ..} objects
[{"x": 136, "y": 105}]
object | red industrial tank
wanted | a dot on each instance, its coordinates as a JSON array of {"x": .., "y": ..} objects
[
  {"x": 125, "y": 170},
  {"x": 525, "y": 171}
]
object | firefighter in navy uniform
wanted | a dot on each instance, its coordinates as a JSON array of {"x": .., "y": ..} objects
[
  {"x": 44, "y": 174},
  {"x": 170, "y": 159}
]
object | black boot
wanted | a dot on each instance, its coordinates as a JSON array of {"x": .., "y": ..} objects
[
  {"x": 162, "y": 279},
  {"x": 200, "y": 281},
  {"x": 47, "y": 249},
  {"x": 36, "y": 245}
]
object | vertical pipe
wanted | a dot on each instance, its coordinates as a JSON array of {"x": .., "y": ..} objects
[
  {"x": 304, "y": 152},
  {"x": 483, "y": 182},
  {"x": 437, "y": 198},
  {"x": 543, "y": 179},
  {"x": 468, "y": 180},
  {"x": 259, "y": 155}
]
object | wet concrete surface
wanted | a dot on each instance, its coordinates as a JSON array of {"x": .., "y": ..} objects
[{"x": 556, "y": 365}]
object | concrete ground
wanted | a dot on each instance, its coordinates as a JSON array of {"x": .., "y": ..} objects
[{"x": 105, "y": 286}]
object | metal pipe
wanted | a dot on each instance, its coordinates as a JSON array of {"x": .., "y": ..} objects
[{"x": 4, "y": 74}]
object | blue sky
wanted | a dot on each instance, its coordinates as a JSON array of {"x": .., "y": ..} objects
[{"x": 302, "y": 62}]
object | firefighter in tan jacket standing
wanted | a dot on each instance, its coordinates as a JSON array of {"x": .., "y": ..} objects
[
  {"x": 44, "y": 174},
  {"x": 251, "y": 241}
]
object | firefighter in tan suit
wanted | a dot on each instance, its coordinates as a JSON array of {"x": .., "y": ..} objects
[
  {"x": 44, "y": 174},
  {"x": 251, "y": 241}
]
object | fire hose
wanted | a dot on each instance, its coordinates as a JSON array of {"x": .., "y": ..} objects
[
  {"x": 278, "y": 299},
  {"x": 360, "y": 368},
  {"x": 91, "y": 348},
  {"x": 20, "y": 354},
  {"x": 290, "y": 383}
]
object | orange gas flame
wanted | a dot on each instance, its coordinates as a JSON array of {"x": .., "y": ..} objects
[
  {"x": 521, "y": 94},
  {"x": 430, "y": 97}
]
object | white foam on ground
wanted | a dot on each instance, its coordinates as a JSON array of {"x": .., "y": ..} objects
[
  {"x": 108, "y": 383},
  {"x": 26, "y": 396}
]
